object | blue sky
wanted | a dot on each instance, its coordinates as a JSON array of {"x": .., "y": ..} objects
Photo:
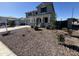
[
  {"x": 18, "y": 9},
  {"x": 64, "y": 10}
]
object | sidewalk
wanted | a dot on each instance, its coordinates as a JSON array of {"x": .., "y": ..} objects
[
  {"x": 13, "y": 28},
  {"x": 5, "y": 51}
]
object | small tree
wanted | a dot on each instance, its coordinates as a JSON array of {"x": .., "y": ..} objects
[
  {"x": 53, "y": 20},
  {"x": 11, "y": 23},
  {"x": 61, "y": 39}
]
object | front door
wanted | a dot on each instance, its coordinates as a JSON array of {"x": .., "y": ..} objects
[{"x": 45, "y": 19}]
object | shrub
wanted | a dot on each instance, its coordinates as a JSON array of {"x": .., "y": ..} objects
[
  {"x": 31, "y": 26},
  {"x": 36, "y": 28},
  {"x": 65, "y": 29},
  {"x": 70, "y": 31},
  {"x": 23, "y": 35},
  {"x": 6, "y": 33},
  {"x": 51, "y": 27},
  {"x": 61, "y": 38}
]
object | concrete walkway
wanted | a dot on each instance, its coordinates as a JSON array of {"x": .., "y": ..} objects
[
  {"x": 4, "y": 50},
  {"x": 13, "y": 28}
]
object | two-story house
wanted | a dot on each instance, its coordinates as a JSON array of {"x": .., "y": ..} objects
[{"x": 43, "y": 16}]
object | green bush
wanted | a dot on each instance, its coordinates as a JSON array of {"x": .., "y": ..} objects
[
  {"x": 61, "y": 38},
  {"x": 11, "y": 23},
  {"x": 65, "y": 29},
  {"x": 36, "y": 28},
  {"x": 70, "y": 31},
  {"x": 53, "y": 20}
]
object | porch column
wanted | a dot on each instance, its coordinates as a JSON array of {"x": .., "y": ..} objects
[
  {"x": 35, "y": 21},
  {"x": 42, "y": 19},
  {"x": 48, "y": 18}
]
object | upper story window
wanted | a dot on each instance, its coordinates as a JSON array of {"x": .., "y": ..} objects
[
  {"x": 36, "y": 13},
  {"x": 29, "y": 14},
  {"x": 44, "y": 9}
]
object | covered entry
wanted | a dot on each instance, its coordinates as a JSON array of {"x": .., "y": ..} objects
[{"x": 38, "y": 21}]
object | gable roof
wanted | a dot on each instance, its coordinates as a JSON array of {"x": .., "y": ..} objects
[{"x": 45, "y": 3}]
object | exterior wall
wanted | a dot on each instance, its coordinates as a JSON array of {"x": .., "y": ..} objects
[
  {"x": 3, "y": 19},
  {"x": 17, "y": 22},
  {"x": 49, "y": 6},
  {"x": 32, "y": 19}
]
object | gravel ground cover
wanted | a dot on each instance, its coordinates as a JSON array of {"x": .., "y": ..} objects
[{"x": 28, "y": 42}]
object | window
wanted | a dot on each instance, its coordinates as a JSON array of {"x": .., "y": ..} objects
[
  {"x": 46, "y": 20},
  {"x": 28, "y": 14},
  {"x": 44, "y": 9},
  {"x": 36, "y": 13}
]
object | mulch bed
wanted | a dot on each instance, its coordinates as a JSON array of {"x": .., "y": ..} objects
[{"x": 28, "y": 42}]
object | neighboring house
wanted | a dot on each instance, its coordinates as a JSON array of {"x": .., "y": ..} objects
[
  {"x": 22, "y": 21},
  {"x": 61, "y": 24},
  {"x": 71, "y": 23},
  {"x": 12, "y": 20},
  {"x": 4, "y": 20},
  {"x": 43, "y": 16}
]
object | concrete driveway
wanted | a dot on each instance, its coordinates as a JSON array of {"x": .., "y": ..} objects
[{"x": 13, "y": 28}]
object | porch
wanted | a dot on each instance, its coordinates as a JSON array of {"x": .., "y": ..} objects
[{"x": 40, "y": 21}]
